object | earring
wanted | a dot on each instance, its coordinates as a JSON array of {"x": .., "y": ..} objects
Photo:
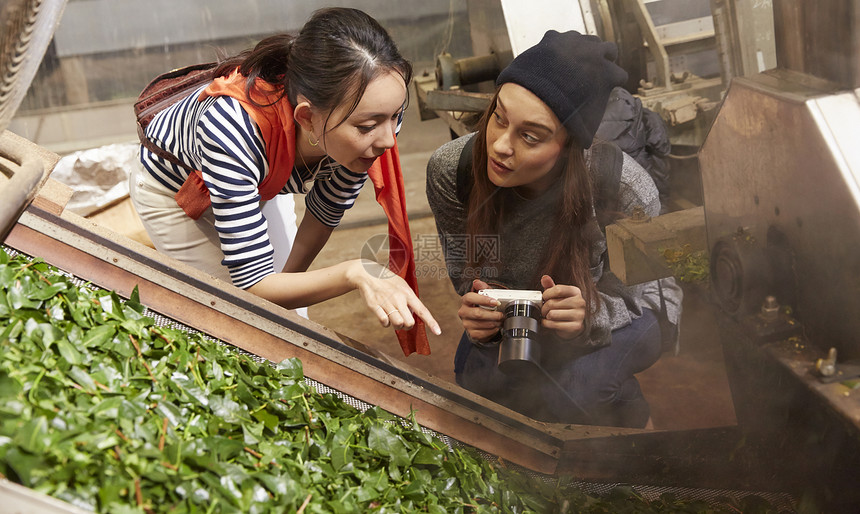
[{"x": 312, "y": 143}]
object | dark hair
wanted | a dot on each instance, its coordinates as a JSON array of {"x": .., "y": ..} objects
[
  {"x": 336, "y": 54},
  {"x": 567, "y": 259}
]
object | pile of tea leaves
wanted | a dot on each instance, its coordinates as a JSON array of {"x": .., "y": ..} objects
[
  {"x": 688, "y": 265},
  {"x": 103, "y": 409}
]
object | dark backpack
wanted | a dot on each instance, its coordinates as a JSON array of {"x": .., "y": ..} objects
[
  {"x": 640, "y": 133},
  {"x": 164, "y": 91}
]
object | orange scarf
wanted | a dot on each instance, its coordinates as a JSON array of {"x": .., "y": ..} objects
[{"x": 277, "y": 127}]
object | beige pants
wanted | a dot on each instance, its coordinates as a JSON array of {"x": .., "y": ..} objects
[{"x": 195, "y": 242}]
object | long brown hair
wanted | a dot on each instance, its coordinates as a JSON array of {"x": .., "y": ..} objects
[
  {"x": 567, "y": 258},
  {"x": 337, "y": 53}
]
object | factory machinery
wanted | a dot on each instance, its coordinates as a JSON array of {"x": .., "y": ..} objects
[
  {"x": 774, "y": 131},
  {"x": 679, "y": 54},
  {"x": 780, "y": 219}
]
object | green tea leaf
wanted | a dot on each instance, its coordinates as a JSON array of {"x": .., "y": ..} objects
[
  {"x": 252, "y": 433},
  {"x": 19, "y": 295},
  {"x": 388, "y": 444},
  {"x": 109, "y": 408},
  {"x": 228, "y": 410},
  {"x": 23, "y": 464},
  {"x": 69, "y": 353},
  {"x": 98, "y": 336},
  {"x": 34, "y": 436},
  {"x": 83, "y": 379},
  {"x": 270, "y": 421}
]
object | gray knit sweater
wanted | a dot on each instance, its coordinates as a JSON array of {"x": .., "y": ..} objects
[{"x": 525, "y": 235}]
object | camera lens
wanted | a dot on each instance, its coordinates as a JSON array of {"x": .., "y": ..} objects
[
  {"x": 522, "y": 318},
  {"x": 519, "y": 353}
]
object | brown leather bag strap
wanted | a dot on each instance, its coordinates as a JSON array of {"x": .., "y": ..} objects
[
  {"x": 164, "y": 154},
  {"x": 164, "y": 91}
]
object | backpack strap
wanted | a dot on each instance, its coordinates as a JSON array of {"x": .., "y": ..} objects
[
  {"x": 606, "y": 162},
  {"x": 164, "y": 91},
  {"x": 464, "y": 172},
  {"x": 168, "y": 88}
]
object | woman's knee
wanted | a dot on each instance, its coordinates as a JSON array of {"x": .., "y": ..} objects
[
  {"x": 476, "y": 370},
  {"x": 638, "y": 345}
]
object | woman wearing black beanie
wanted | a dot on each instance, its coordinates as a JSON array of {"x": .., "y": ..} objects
[{"x": 521, "y": 204}]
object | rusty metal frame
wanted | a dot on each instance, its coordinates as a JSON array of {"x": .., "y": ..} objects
[
  {"x": 459, "y": 109},
  {"x": 655, "y": 46}
]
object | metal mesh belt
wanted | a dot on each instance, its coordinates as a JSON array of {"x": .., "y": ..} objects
[{"x": 715, "y": 497}]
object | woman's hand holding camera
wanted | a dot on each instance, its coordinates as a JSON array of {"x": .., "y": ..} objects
[
  {"x": 563, "y": 309},
  {"x": 477, "y": 312}
]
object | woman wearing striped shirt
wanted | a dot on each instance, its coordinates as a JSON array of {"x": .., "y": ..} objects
[{"x": 314, "y": 114}]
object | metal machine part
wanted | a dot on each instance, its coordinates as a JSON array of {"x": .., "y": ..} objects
[
  {"x": 451, "y": 73},
  {"x": 740, "y": 273},
  {"x": 669, "y": 48},
  {"x": 28, "y": 26},
  {"x": 796, "y": 186},
  {"x": 502, "y": 29},
  {"x": 636, "y": 246},
  {"x": 781, "y": 182},
  {"x": 667, "y": 26},
  {"x": 22, "y": 171},
  {"x": 818, "y": 40}
]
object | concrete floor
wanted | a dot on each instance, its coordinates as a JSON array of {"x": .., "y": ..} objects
[{"x": 685, "y": 391}]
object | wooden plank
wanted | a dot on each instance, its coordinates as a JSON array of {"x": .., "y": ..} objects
[{"x": 122, "y": 218}]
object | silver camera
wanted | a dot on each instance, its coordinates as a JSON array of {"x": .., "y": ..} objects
[
  {"x": 519, "y": 351},
  {"x": 507, "y": 295}
]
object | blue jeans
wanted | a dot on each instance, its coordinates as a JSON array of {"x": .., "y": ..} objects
[{"x": 600, "y": 383}]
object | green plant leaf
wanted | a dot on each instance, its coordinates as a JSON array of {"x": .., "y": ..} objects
[
  {"x": 69, "y": 353},
  {"x": 388, "y": 444},
  {"x": 97, "y": 336}
]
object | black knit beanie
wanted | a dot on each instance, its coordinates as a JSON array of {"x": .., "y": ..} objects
[{"x": 573, "y": 74}]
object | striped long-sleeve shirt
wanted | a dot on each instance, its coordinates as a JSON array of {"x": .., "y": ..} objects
[{"x": 219, "y": 138}]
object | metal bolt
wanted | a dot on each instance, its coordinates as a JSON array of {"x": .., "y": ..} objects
[
  {"x": 827, "y": 367},
  {"x": 639, "y": 214},
  {"x": 679, "y": 79},
  {"x": 770, "y": 309}
]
